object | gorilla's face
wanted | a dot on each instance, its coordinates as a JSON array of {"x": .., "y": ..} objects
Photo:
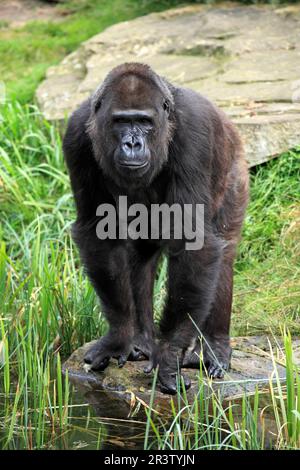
[{"x": 132, "y": 130}]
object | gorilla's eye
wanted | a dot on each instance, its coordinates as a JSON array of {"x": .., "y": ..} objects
[
  {"x": 98, "y": 105},
  {"x": 120, "y": 120},
  {"x": 146, "y": 121},
  {"x": 166, "y": 106}
]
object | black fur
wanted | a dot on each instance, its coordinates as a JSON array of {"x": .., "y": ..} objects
[{"x": 195, "y": 156}]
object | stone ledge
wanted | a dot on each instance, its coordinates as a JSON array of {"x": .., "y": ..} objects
[
  {"x": 251, "y": 367},
  {"x": 244, "y": 58}
]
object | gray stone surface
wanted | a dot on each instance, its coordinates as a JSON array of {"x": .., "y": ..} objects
[
  {"x": 245, "y": 58},
  {"x": 115, "y": 392}
]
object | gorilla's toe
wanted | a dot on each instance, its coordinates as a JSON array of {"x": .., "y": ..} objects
[
  {"x": 88, "y": 359},
  {"x": 186, "y": 381},
  {"x": 168, "y": 387},
  {"x": 122, "y": 361},
  {"x": 98, "y": 362},
  {"x": 97, "y": 357},
  {"x": 137, "y": 355},
  {"x": 168, "y": 383},
  {"x": 217, "y": 370}
]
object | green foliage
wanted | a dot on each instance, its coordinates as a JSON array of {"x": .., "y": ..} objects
[
  {"x": 39, "y": 270},
  {"x": 27, "y": 52},
  {"x": 47, "y": 306},
  {"x": 274, "y": 192},
  {"x": 41, "y": 262},
  {"x": 267, "y": 281},
  {"x": 210, "y": 422}
]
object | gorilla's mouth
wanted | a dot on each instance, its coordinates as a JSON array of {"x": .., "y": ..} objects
[{"x": 133, "y": 165}]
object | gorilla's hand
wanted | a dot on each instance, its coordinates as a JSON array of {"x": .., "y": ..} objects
[
  {"x": 143, "y": 347},
  {"x": 108, "y": 346},
  {"x": 169, "y": 360}
]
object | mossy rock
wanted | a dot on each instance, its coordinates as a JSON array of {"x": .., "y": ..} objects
[{"x": 117, "y": 392}]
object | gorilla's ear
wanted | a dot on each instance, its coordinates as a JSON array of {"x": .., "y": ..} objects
[
  {"x": 97, "y": 104},
  {"x": 97, "y": 97},
  {"x": 166, "y": 106}
]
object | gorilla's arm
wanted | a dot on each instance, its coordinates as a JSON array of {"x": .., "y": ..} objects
[
  {"x": 87, "y": 180},
  {"x": 105, "y": 262},
  {"x": 193, "y": 275}
]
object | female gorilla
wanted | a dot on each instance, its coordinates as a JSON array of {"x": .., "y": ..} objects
[{"x": 141, "y": 137}]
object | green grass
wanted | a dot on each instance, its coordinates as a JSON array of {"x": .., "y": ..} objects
[
  {"x": 267, "y": 280},
  {"x": 41, "y": 262},
  {"x": 47, "y": 306},
  {"x": 211, "y": 422},
  {"x": 27, "y": 52}
]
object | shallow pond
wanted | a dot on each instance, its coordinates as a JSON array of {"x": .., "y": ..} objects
[{"x": 93, "y": 423}]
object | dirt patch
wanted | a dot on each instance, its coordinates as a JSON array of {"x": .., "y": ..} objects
[{"x": 18, "y": 12}]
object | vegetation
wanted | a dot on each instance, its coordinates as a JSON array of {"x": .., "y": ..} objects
[
  {"x": 26, "y": 52},
  {"x": 267, "y": 281},
  {"x": 47, "y": 306},
  {"x": 211, "y": 423}
]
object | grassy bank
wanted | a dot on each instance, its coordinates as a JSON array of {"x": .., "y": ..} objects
[
  {"x": 42, "y": 275},
  {"x": 47, "y": 306},
  {"x": 26, "y": 52}
]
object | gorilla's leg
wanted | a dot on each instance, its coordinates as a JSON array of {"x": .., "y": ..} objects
[
  {"x": 193, "y": 279},
  {"x": 143, "y": 264},
  {"x": 107, "y": 266},
  {"x": 215, "y": 343}
]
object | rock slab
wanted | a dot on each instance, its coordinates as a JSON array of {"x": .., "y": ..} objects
[
  {"x": 244, "y": 58},
  {"x": 116, "y": 391}
]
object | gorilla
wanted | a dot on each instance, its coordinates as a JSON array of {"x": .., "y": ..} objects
[{"x": 141, "y": 137}]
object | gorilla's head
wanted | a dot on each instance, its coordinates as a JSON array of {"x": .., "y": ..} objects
[{"x": 131, "y": 124}]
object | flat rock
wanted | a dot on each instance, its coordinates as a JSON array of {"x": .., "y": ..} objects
[
  {"x": 116, "y": 391},
  {"x": 244, "y": 58}
]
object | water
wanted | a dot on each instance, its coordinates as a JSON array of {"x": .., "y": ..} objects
[{"x": 95, "y": 422}]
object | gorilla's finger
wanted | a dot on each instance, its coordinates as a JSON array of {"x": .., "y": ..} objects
[
  {"x": 187, "y": 381},
  {"x": 149, "y": 367},
  {"x": 152, "y": 364},
  {"x": 122, "y": 361},
  {"x": 167, "y": 384},
  {"x": 136, "y": 355},
  {"x": 100, "y": 362},
  {"x": 216, "y": 372},
  {"x": 153, "y": 361},
  {"x": 90, "y": 356}
]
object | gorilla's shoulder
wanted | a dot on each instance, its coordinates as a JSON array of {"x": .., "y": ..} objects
[
  {"x": 194, "y": 105},
  {"x": 76, "y": 135}
]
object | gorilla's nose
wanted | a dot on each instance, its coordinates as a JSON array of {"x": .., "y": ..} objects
[
  {"x": 132, "y": 145},
  {"x": 132, "y": 152}
]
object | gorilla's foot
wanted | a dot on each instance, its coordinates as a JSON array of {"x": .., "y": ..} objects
[
  {"x": 168, "y": 381},
  {"x": 136, "y": 354},
  {"x": 216, "y": 354},
  {"x": 168, "y": 359},
  {"x": 143, "y": 347},
  {"x": 99, "y": 355}
]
